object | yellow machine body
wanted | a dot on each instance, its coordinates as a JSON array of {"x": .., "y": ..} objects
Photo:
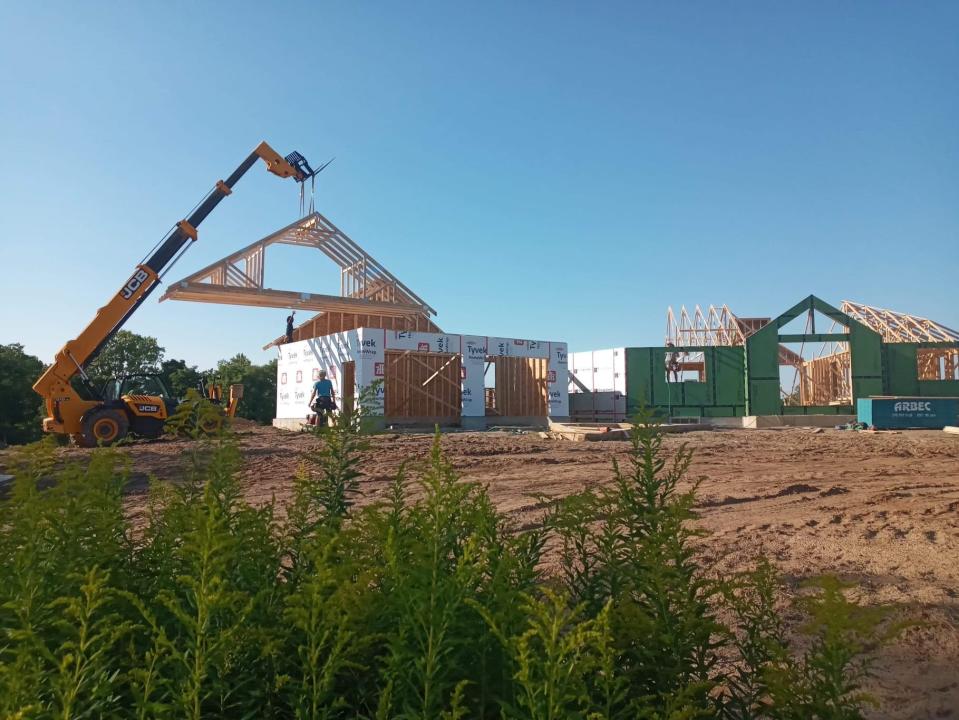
[{"x": 92, "y": 422}]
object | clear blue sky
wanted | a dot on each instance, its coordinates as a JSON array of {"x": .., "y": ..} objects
[{"x": 538, "y": 169}]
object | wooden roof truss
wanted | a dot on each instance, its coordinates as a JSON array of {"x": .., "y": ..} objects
[
  {"x": 717, "y": 326},
  {"x": 366, "y": 287},
  {"x": 898, "y": 327}
]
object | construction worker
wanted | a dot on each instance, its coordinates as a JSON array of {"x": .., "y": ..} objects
[
  {"x": 289, "y": 326},
  {"x": 324, "y": 397},
  {"x": 673, "y": 366}
]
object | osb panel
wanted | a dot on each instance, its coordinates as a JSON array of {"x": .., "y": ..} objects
[
  {"x": 422, "y": 385},
  {"x": 521, "y": 387},
  {"x": 334, "y": 322}
]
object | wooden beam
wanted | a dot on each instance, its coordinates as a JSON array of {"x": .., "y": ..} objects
[{"x": 255, "y": 297}]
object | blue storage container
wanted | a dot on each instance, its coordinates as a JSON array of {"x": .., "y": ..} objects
[{"x": 888, "y": 413}]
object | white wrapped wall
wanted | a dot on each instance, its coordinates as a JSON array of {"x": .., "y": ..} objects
[
  {"x": 300, "y": 362},
  {"x": 601, "y": 371}
]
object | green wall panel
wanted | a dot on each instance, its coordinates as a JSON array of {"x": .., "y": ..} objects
[
  {"x": 901, "y": 372},
  {"x": 818, "y": 410},
  {"x": 729, "y": 370},
  {"x": 638, "y": 388},
  {"x": 939, "y": 388},
  {"x": 696, "y": 393},
  {"x": 719, "y": 411},
  {"x": 745, "y": 380}
]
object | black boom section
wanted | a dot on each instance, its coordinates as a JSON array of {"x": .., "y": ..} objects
[{"x": 178, "y": 237}]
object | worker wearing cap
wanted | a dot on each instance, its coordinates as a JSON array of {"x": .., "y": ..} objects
[{"x": 323, "y": 394}]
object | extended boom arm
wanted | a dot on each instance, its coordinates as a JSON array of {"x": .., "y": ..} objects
[{"x": 64, "y": 406}]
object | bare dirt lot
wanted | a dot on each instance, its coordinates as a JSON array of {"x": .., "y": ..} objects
[{"x": 880, "y": 509}]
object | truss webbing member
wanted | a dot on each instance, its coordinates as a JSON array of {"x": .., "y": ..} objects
[{"x": 90, "y": 421}]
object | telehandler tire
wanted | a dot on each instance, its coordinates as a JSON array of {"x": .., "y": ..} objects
[{"x": 104, "y": 426}]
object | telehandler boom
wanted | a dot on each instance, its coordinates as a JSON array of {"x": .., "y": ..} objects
[{"x": 101, "y": 420}]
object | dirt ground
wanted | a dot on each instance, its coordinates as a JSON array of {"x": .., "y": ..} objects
[{"x": 880, "y": 509}]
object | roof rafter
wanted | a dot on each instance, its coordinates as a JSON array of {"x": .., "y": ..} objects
[
  {"x": 362, "y": 278},
  {"x": 898, "y": 326},
  {"x": 717, "y": 327}
]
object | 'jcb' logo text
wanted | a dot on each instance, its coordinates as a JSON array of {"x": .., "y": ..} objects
[
  {"x": 912, "y": 406},
  {"x": 133, "y": 284}
]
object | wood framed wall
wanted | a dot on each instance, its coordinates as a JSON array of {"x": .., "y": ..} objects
[
  {"x": 347, "y": 401},
  {"x": 826, "y": 380},
  {"x": 328, "y": 323},
  {"x": 422, "y": 385},
  {"x": 937, "y": 364},
  {"x": 521, "y": 387}
]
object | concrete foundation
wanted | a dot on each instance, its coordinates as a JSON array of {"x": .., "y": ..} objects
[
  {"x": 760, "y": 422},
  {"x": 464, "y": 422}
]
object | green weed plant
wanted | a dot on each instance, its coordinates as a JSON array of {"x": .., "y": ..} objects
[{"x": 426, "y": 604}]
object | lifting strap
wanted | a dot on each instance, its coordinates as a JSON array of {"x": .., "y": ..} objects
[{"x": 303, "y": 212}]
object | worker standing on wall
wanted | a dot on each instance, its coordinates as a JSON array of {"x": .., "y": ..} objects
[
  {"x": 673, "y": 365},
  {"x": 289, "y": 326},
  {"x": 324, "y": 397}
]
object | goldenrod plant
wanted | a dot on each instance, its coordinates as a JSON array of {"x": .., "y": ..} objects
[
  {"x": 425, "y": 604},
  {"x": 195, "y": 416}
]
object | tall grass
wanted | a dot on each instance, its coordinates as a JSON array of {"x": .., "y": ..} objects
[{"x": 427, "y": 604}]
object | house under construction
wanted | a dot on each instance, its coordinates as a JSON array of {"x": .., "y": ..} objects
[
  {"x": 378, "y": 343},
  {"x": 379, "y": 334},
  {"x": 812, "y": 359}
]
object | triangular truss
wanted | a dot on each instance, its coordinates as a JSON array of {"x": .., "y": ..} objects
[
  {"x": 366, "y": 287},
  {"x": 896, "y": 327},
  {"x": 717, "y": 326}
]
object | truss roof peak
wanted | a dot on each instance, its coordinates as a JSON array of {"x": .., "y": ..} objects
[
  {"x": 715, "y": 325},
  {"x": 365, "y": 284},
  {"x": 897, "y": 326}
]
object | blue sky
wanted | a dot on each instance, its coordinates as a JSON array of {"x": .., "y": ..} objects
[{"x": 553, "y": 170}]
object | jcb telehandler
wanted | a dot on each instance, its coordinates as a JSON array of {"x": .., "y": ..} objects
[{"x": 106, "y": 417}]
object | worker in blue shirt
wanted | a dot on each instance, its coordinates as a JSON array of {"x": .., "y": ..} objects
[{"x": 324, "y": 395}]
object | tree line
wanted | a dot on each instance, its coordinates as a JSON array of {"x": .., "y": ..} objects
[{"x": 127, "y": 353}]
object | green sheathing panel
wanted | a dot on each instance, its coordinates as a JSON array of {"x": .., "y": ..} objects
[
  {"x": 866, "y": 347},
  {"x": 901, "y": 372},
  {"x": 728, "y": 371},
  {"x": 721, "y": 395},
  {"x": 939, "y": 388},
  {"x": 762, "y": 370},
  {"x": 696, "y": 393},
  {"x": 762, "y": 358},
  {"x": 638, "y": 390},
  {"x": 818, "y": 410}
]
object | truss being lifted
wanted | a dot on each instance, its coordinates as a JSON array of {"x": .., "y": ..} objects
[{"x": 369, "y": 293}]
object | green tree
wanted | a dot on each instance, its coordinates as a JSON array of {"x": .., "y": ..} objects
[
  {"x": 20, "y": 407},
  {"x": 179, "y": 377},
  {"x": 127, "y": 353},
  {"x": 259, "y": 386}
]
